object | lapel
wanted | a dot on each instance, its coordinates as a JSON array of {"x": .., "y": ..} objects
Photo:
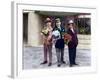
[
  {"x": 72, "y": 31},
  {"x": 59, "y": 28}
]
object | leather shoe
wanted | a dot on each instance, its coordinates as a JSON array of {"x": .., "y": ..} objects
[{"x": 44, "y": 62}]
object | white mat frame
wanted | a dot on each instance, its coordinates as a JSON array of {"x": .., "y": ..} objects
[{"x": 16, "y": 66}]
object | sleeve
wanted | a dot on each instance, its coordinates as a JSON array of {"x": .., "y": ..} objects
[
  {"x": 64, "y": 29},
  {"x": 50, "y": 34},
  {"x": 68, "y": 31}
]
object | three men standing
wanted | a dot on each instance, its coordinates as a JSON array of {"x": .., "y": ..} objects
[{"x": 57, "y": 35}]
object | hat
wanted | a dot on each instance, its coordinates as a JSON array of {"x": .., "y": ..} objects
[
  {"x": 47, "y": 20},
  {"x": 70, "y": 22},
  {"x": 58, "y": 20}
]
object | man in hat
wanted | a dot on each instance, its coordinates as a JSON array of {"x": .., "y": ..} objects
[
  {"x": 59, "y": 43},
  {"x": 72, "y": 45},
  {"x": 47, "y": 42}
]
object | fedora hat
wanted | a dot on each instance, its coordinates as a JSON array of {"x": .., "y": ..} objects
[
  {"x": 70, "y": 22},
  {"x": 47, "y": 20}
]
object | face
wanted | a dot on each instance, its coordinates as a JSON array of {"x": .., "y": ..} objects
[
  {"x": 70, "y": 25},
  {"x": 58, "y": 24},
  {"x": 48, "y": 23}
]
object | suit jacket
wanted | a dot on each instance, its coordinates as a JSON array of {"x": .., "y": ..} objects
[
  {"x": 60, "y": 42},
  {"x": 74, "y": 41}
]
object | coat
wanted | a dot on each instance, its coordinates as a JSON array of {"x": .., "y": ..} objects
[
  {"x": 74, "y": 41},
  {"x": 60, "y": 42}
]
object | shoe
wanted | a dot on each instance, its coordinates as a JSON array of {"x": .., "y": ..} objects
[
  {"x": 44, "y": 62},
  {"x": 70, "y": 65},
  {"x": 63, "y": 62},
  {"x": 58, "y": 65},
  {"x": 75, "y": 64},
  {"x": 49, "y": 64}
]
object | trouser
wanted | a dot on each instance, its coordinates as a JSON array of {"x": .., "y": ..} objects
[
  {"x": 48, "y": 52},
  {"x": 60, "y": 55},
  {"x": 72, "y": 55}
]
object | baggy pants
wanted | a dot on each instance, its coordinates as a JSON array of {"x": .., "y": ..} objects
[
  {"x": 48, "y": 52},
  {"x": 60, "y": 55}
]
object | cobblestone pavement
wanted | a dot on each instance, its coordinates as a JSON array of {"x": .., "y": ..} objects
[{"x": 33, "y": 56}]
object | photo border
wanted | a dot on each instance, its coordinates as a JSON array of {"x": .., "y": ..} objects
[{"x": 16, "y": 55}]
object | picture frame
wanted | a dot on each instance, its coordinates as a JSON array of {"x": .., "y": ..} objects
[{"x": 17, "y": 40}]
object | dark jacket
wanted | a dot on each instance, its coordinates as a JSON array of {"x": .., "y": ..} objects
[
  {"x": 74, "y": 41},
  {"x": 60, "y": 42}
]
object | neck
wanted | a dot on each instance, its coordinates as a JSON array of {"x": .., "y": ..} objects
[{"x": 58, "y": 26}]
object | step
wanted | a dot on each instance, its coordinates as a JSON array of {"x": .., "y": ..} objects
[
  {"x": 84, "y": 42},
  {"x": 84, "y": 46},
  {"x": 84, "y": 37}
]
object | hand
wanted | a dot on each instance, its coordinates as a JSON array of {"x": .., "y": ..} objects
[{"x": 54, "y": 41}]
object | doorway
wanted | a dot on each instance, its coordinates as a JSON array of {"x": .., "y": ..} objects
[{"x": 25, "y": 28}]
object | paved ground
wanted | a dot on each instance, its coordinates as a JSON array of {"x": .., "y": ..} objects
[{"x": 33, "y": 56}]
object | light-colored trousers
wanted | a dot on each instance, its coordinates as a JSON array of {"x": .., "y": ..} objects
[
  {"x": 48, "y": 52},
  {"x": 60, "y": 55}
]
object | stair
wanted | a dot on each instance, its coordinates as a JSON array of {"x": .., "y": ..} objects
[{"x": 84, "y": 41}]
